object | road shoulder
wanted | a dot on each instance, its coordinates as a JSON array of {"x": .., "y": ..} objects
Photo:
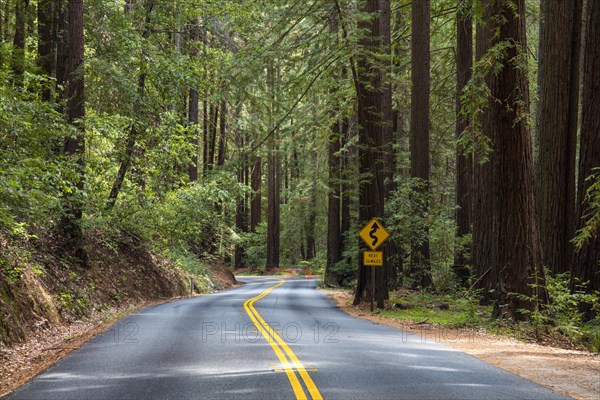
[{"x": 570, "y": 372}]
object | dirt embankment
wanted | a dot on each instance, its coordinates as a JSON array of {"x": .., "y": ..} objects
[
  {"x": 49, "y": 304},
  {"x": 570, "y": 372}
]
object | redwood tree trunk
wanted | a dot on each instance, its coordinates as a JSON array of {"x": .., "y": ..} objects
[
  {"x": 516, "y": 260},
  {"x": 241, "y": 209},
  {"x": 390, "y": 248},
  {"x": 464, "y": 162},
  {"x": 74, "y": 146},
  {"x": 222, "y": 134},
  {"x": 62, "y": 43},
  {"x": 193, "y": 118},
  {"x": 560, "y": 44},
  {"x": 312, "y": 212},
  {"x": 586, "y": 267},
  {"x": 205, "y": 135},
  {"x": 334, "y": 236},
  {"x": 18, "y": 52},
  {"x": 46, "y": 42},
  {"x": 212, "y": 141},
  {"x": 420, "y": 269},
  {"x": 273, "y": 179},
  {"x": 255, "y": 185},
  {"x": 193, "y": 112},
  {"x": 273, "y": 203},
  {"x": 484, "y": 197},
  {"x": 371, "y": 150}
]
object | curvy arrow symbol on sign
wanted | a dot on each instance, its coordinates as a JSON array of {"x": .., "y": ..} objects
[{"x": 374, "y": 229}]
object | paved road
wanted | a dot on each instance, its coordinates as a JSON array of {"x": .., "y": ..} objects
[{"x": 214, "y": 347}]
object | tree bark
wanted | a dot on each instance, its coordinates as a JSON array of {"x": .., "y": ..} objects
[
  {"x": 62, "y": 44},
  {"x": 241, "y": 208},
  {"x": 274, "y": 179},
  {"x": 273, "y": 202},
  {"x": 464, "y": 162},
  {"x": 205, "y": 135},
  {"x": 6, "y": 24},
  {"x": 334, "y": 235},
  {"x": 312, "y": 211},
  {"x": 420, "y": 268},
  {"x": 484, "y": 197},
  {"x": 193, "y": 118},
  {"x": 560, "y": 44},
  {"x": 372, "y": 156},
  {"x": 585, "y": 266},
  {"x": 516, "y": 262},
  {"x": 212, "y": 141},
  {"x": 74, "y": 147},
  {"x": 46, "y": 43},
  {"x": 256, "y": 203},
  {"x": 223, "y": 134},
  {"x": 193, "y": 112},
  {"x": 18, "y": 52}
]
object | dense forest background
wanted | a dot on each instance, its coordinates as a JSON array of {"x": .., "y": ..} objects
[{"x": 266, "y": 133}]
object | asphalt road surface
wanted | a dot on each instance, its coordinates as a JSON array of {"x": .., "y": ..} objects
[{"x": 216, "y": 346}]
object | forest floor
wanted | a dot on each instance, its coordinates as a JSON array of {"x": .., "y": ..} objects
[
  {"x": 557, "y": 366},
  {"x": 50, "y": 343}
]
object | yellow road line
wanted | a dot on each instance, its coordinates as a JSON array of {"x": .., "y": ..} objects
[{"x": 269, "y": 335}]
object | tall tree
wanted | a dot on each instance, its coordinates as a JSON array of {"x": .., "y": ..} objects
[
  {"x": 46, "y": 42},
  {"x": 212, "y": 139},
  {"x": 18, "y": 52},
  {"x": 483, "y": 194},
  {"x": 586, "y": 267},
  {"x": 193, "y": 119},
  {"x": 464, "y": 161},
  {"x": 515, "y": 257},
  {"x": 74, "y": 147},
  {"x": 311, "y": 205},
  {"x": 388, "y": 275},
  {"x": 193, "y": 112},
  {"x": 61, "y": 28},
  {"x": 205, "y": 133},
  {"x": 560, "y": 44},
  {"x": 420, "y": 268},
  {"x": 241, "y": 212},
  {"x": 222, "y": 134},
  {"x": 334, "y": 236},
  {"x": 369, "y": 89},
  {"x": 273, "y": 177},
  {"x": 255, "y": 185}
]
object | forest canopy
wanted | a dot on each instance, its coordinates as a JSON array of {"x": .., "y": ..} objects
[{"x": 267, "y": 133}]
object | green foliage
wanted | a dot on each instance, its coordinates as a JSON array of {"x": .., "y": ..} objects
[
  {"x": 75, "y": 304},
  {"x": 405, "y": 220},
  {"x": 592, "y": 213},
  {"x": 253, "y": 243},
  {"x": 316, "y": 265},
  {"x": 448, "y": 310},
  {"x": 564, "y": 312},
  {"x": 32, "y": 177},
  {"x": 10, "y": 272}
]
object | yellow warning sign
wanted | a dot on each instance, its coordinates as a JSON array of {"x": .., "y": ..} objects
[
  {"x": 373, "y": 258},
  {"x": 373, "y": 234}
]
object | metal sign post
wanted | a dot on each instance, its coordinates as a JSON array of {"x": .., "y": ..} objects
[
  {"x": 373, "y": 234},
  {"x": 372, "y": 287}
]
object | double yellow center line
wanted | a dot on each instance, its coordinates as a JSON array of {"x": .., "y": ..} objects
[{"x": 279, "y": 346}]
